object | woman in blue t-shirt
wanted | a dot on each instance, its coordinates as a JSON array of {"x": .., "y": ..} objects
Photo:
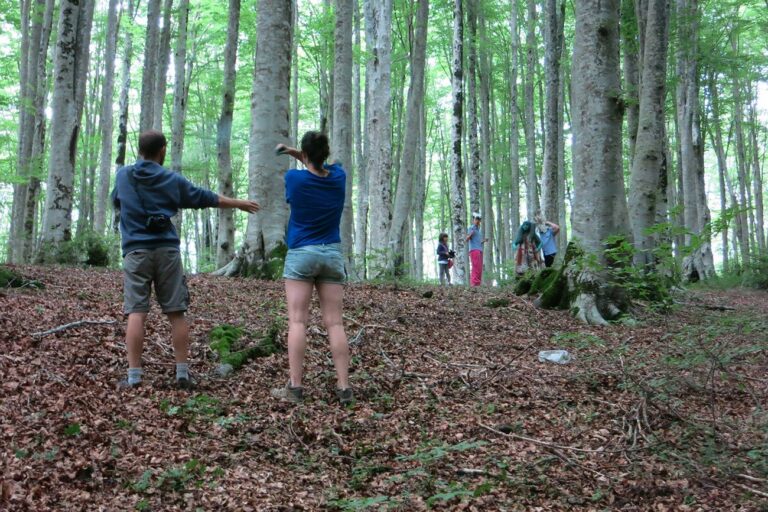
[{"x": 314, "y": 260}]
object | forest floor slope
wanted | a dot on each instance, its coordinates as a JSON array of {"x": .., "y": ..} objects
[{"x": 454, "y": 410}]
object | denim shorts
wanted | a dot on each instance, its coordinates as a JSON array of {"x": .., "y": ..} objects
[
  {"x": 160, "y": 267},
  {"x": 316, "y": 264}
]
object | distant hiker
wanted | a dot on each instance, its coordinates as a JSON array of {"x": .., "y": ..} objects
[
  {"x": 314, "y": 260},
  {"x": 147, "y": 195},
  {"x": 444, "y": 259},
  {"x": 476, "y": 241},
  {"x": 547, "y": 232},
  {"x": 527, "y": 243}
]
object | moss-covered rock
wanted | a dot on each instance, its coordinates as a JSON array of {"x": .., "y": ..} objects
[
  {"x": 10, "y": 278},
  {"x": 496, "y": 302},
  {"x": 523, "y": 285},
  {"x": 226, "y": 341}
]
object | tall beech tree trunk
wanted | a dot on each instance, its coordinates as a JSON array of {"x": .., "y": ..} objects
[
  {"x": 410, "y": 157},
  {"x": 125, "y": 89},
  {"x": 532, "y": 193},
  {"x": 722, "y": 166},
  {"x": 599, "y": 209},
  {"x": 163, "y": 57},
  {"x": 474, "y": 146},
  {"x": 554, "y": 16},
  {"x": 484, "y": 78},
  {"x": 378, "y": 23},
  {"x": 757, "y": 181},
  {"x": 106, "y": 118},
  {"x": 458, "y": 212},
  {"x": 699, "y": 264},
  {"x": 341, "y": 123},
  {"x": 649, "y": 167},
  {"x": 149, "y": 74},
  {"x": 420, "y": 196},
  {"x": 225, "y": 244},
  {"x": 35, "y": 24},
  {"x": 70, "y": 72},
  {"x": 361, "y": 207},
  {"x": 514, "y": 117},
  {"x": 263, "y": 251},
  {"x": 180, "y": 89},
  {"x": 630, "y": 42}
]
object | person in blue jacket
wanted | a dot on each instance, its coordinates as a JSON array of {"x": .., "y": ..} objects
[
  {"x": 314, "y": 260},
  {"x": 146, "y": 196}
]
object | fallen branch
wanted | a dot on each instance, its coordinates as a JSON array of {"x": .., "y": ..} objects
[
  {"x": 373, "y": 326},
  {"x": 751, "y": 478},
  {"x": 711, "y": 307},
  {"x": 555, "y": 445},
  {"x": 73, "y": 324},
  {"x": 753, "y": 491}
]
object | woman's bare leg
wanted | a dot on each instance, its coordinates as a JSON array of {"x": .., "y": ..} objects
[
  {"x": 298, "y": 294},
  {"x": 331, "y": 298}
]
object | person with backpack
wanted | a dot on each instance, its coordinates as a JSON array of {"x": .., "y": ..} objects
[
  {"x": 146, "y": 196},
  {"x": 444, "y": 259}
]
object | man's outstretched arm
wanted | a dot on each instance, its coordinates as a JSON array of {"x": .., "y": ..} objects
[{"x": 245, "y": 205}]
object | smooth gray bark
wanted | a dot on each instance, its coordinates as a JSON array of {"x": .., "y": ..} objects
[
  {"x": 163, "y": 58},
  {"x": 599, "y": 209},
  {"x": 532, "y": 193},
  {"x": 410, "y": 157},
  {"x": 458, "y": 211},
  {"x": 180, "y": 89},
  {"x": 631, "y": 65},
  {"x": 554, "y": 16},
  {"x": 378, "y": 23},
  {"x": 487, "y": 141},
  {"x": 472, "y": 138},
  {"x": 341, "y": 123},
  {"x": 225, "y": 244},
  {"x": 361, "y": 206},
  {"x": 649, "y": 167},
  {"x": 106, "y": 118},
  {"x": 514, "y": 116},
  {"x": 149, "y": 74},
  {"x": 70, "y": 70}
]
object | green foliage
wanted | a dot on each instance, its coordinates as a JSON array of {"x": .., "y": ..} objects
[
  {"x": 496, "y": 302},
  {"x": 10, "y": 278},
  {"x": 756, "y": 273},
  {"x": 226, "y": 339},
  {"x": 174, "y": 479},
  {"x": 87, "y": 248},
  {"x": 72, "y": 430}
]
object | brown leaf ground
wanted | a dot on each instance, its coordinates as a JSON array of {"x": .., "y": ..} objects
[{"x": 455, "y": 411}]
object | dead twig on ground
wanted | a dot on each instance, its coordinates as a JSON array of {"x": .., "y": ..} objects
[
  {"x": 373, "y": 326},
  {"x": 71, "y": 325},
  {"x": 753, "y": 491}
]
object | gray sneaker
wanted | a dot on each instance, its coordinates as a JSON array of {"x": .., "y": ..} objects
[
  {"x": 346, "y": 396},
  {"x": 289, "y": 393}
]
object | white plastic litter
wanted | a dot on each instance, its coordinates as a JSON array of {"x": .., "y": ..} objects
[{"x": 555, "y": 356}]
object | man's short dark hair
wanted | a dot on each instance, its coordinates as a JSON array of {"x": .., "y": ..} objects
[{"x": 151, "y": 142}]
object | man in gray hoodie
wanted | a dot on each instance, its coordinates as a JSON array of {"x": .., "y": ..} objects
[{"x": 147, "y": 195}]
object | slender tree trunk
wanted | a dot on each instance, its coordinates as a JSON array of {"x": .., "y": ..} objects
[
  {"x": 420, "y": 195},
  {"x": 487, "y": 142},
  {"x": 474, "y": 145},
  {"x": 163, "y": 56},
  {"x": 264, "y": 244},
  {"x": 514, "y": 117},
  {"x": 70, "y": 70},
  {"x": 341, "y": 137},
  {"x": 295, "y": 80},
  {"x": 225, "y": 245},
  {"x": 149, "y": 75},
  {"x": 649, "y": 168},
  {"x": 361, "y": 220},
  {"x": 180, "y": 89},
  {"x": 125, "y": 89},
  {"x": 29, "y": 217},
  {"x": 458, "y": 212},
  {"x": 409, "y": 165},
  {"x": 532, "y": 194},
  {"x": 554, "y": 16},
  {"x": 757, "y": 181},
  {"x": 599, "y": 209},
  {"x": 741, "y": 166},
  {"x": 722, "y": 166},
  {"x": 631, "y": 63},
  {"x": 699, "y": 264},
  {"x": 32, "y": 25},
  {"x": 378, "y": 23},
  {"x": 106, "y": 117},
  {"x": 562, "y": 236}
]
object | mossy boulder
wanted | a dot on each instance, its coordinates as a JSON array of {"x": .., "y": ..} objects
[
  {"x": 10, "y": 278},
  {"x": 227, "y": 343},
  {"x": 270, "y": 268}
]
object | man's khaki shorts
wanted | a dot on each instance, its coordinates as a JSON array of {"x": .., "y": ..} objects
[{"x": 162, "y": 267}]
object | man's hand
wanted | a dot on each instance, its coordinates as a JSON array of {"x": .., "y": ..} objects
[
  {"x": 241, "y": 204},
  {"x": 248, "y": 206},
  {"x": 281, "y": 149}
]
